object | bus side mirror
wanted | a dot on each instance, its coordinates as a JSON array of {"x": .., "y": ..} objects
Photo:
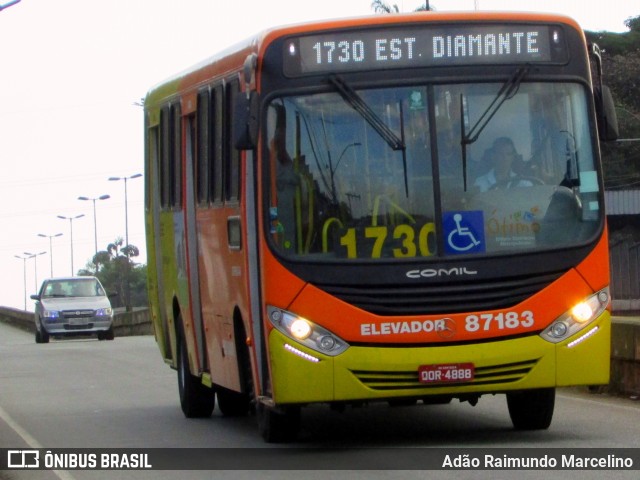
[
  {"x": 607, "y": 118},
  {"x": 245, "y": 121}
]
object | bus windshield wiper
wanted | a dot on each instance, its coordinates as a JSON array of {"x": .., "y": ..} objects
[
  {"x": 507, "y": 91},
  {"x": 359, "y": 105}
]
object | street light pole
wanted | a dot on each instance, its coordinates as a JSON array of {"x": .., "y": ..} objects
[
  {"x": 9, "y": 4},
  {"x": 24, "y": 276},
  {"x": 35, "y": 266},
  {"x": 50, "y": 247},
  {"x": 71, "y": 219},
  {"x": 95, "y": 222},
  {"x": 126, "y": 208}
]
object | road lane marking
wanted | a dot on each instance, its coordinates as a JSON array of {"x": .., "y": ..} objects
[{"x": 30, "y": 441}]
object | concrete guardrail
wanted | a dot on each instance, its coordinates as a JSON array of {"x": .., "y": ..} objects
[
  {"x": 136, "y": 322},
  {"x": 625, "y": 342}
]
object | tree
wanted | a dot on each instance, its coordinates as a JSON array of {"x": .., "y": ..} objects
[
  {"x": 621, "y": 70},
  {"x": 380, "y": 6},
  {"x": 633, "y": 23},
  {"x": 119, "y": 274}
]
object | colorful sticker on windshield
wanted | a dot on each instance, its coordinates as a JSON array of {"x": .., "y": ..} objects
[{"x": 464, "y": 232}]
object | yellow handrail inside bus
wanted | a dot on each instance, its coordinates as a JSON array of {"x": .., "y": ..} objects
[
  {"x": 325, "y": 231},
  {"x": 394, "y": 207}
]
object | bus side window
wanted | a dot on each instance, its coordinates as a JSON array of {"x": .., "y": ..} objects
[
  {"x": 170, "y": 157},
  {"x": 216, "y": 132},
  {"x": 166, "y": 149},
  {"x": 203, "y": 136},
  {"x": 175, "y": 177},
  {"x": 153, "y": 162},
  {"x": 232, "y": 173}
]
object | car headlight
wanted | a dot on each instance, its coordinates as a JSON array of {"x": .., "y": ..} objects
[
  {"x": 577, "y": 318},
  {"x": 104, "y": 312},
  {"x": 51, "y": 314},
  {"x": 306, "y": 332}
]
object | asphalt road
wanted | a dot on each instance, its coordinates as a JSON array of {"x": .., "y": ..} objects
[{"x": 84, "y": 393}]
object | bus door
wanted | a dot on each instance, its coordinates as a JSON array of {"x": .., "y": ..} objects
[{"x": 191, "y": 241}]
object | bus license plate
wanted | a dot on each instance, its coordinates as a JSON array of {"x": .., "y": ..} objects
[{"x": 446, "y": 373}]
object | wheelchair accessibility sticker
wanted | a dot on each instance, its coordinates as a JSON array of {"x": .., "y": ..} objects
[{"x": 464, "y": 232}]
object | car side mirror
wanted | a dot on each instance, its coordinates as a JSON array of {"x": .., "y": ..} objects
[{"x": 35, "y": 297}]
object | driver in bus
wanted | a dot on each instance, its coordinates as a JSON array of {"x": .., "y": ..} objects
[{"x": 504, "y": 161}]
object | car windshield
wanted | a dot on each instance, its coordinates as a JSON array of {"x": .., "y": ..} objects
[
  {"x": 464, "y": 178},
  {"x": 73, "y": 288}
]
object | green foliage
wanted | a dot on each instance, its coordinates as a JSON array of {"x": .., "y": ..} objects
[
  {"x": 621, "y": 72},
  {"x": 615, "y": 43},
  {"x": 120, "y": 274},
  {"x": 380, "y": 6},
  {"x": 633, "y": 23}
]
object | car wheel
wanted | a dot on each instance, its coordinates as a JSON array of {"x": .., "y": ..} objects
[
  {"x": 42, "y": 336},
  {"x": 109, "y": 335}
]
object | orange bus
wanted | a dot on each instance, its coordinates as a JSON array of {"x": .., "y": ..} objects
[{"x": 401, "y": 208}]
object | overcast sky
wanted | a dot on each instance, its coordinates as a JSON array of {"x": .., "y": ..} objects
[{"x": 71, "y": 74}]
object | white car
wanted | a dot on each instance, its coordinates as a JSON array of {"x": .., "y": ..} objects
[{"x": 72, "y": 306}]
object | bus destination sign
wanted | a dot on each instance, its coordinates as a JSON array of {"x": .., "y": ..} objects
[{"x": 386, "y": 48}]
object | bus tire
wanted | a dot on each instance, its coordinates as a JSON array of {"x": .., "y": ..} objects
[
  {"x": 196, "y": 400},
  {"x": 237, "y": 404},
  {"x": 232, "y": 404},
  {"x": 531, "y": 409},
  {"x": 278, "y": 426}
]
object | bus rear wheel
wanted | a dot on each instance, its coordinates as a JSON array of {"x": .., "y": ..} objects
[
  {"x": 278, "y": 425},
  {"x": 196, "y": 400},
  {"x": 531, "y": 409}
]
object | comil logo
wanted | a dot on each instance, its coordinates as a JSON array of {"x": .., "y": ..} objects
[
  {"x": 23, "y": 459},
  {"x": 441, "y": 272}
]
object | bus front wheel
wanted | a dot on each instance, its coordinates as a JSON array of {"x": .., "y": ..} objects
[
  {"x": 277, "y": 426},
  {"x": 196, "y": 400},
  {"x": 531, "y": 409}
]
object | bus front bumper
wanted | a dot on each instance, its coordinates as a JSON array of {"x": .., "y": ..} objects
[{"x": 367, "y": 373}]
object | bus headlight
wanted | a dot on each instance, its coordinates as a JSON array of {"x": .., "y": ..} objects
[
  {"x": 306, "y": 332},
  {"x": 581, "y": 315}
]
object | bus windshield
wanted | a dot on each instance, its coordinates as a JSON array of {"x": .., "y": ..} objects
[{"x": 455, "y": 173}]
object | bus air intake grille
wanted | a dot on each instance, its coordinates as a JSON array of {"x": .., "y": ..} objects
[
  {"x": 441, "y": 298},
  {"x": 408, "y": 380}
]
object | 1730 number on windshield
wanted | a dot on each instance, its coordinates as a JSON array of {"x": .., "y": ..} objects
[{"x": 401, "y": 241}]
